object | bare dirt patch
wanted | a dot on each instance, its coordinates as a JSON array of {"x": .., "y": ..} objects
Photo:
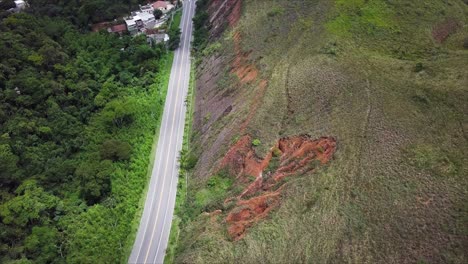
[
  {"x": 247, "y": 73},
  {"x": 223, "y": 13},
  {"x": 241, "y": 67},
  {"x": 235, "y": 14},
  {"x": 290, "y": 156},
  {"x": 443, "y": 30}
]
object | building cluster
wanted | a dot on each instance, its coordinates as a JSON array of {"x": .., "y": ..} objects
[{"x": 142, "y": 21}]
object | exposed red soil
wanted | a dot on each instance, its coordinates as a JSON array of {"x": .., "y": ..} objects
[
  {"x": 255, "y": 104},
  {"x": 241, "y": 160},
  {"x": 250, "y": 211},
  {"x": 294, "y": 155},
  {"x": 443, "y": 30},
  {"x": 235, "y": 14},
  {"x": 223, "y": 13},
  {"x": 247, "y": 72}
]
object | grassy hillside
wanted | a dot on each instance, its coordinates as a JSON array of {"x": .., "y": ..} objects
[{"x": 387, "y": 80}]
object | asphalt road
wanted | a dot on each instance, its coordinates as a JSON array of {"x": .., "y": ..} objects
[{"x": 155, "y": 224}]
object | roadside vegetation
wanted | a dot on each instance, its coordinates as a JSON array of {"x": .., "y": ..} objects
[
  {"x": 78, "y": 114},
  {"x": 174, "y": 31},
  {"x": 200, "y": 20},
  {"x": 387, "y": 80}
]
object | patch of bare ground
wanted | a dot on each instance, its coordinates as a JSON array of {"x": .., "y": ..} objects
[
  {"x": 290, "y": 156},
  {"x": 443, "y": 30},
  {"x": 223, "y": 13},
  {"x": 214, "y": 103}
]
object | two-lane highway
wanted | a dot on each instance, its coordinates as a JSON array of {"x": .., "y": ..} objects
[{"x": 155, "y": 224}]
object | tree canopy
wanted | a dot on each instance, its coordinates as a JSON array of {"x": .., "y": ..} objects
[{"x": 77, "y": 112}]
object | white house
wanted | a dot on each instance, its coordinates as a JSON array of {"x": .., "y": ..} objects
[
  {"x": 146, "y": 17},
  {"x": 20, "y": 6},
  {"x": 147, "y": 9},
  {"x": 155, "y": 36},
  {"x": 131, "y": 25},
  {"x": 139, "y": 20}
]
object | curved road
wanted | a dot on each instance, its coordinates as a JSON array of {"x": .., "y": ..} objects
[{"x": 155, "y": 224}]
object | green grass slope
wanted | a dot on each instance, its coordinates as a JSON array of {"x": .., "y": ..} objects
[{"x": 388, "y": 80}]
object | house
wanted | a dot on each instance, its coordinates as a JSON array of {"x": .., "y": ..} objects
[
  {"x": 146, "y": 18},
  {"x": 156, "y": 36},
  {"x": 147, "y": 9},
  {"x": 20, "y": 6},
  {"x": 164, "y": 6},
  {"x": 139, "y": 21},
  {"x": 131, "y": 25}
]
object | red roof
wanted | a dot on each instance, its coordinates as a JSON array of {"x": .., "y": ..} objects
[
  {"x": 119, "y": 28},
  {"x": 160, "y": 4}
]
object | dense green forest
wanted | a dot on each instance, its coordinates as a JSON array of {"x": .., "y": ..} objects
[
  {"x": 81, "y": 12},
  {"x": 78, "y": 113}
]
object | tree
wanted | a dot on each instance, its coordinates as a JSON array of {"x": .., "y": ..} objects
[
  {"x": 31, "y": 204},
  {"x": 41, "y": 245},
  {"x": 8, "y": 167},
  {"x": 115, "y": 150},
  {"x": 119, "y": 113},
  {"x": 158, "y": 13},
  {"x": 174, "y": 38},
  {"x": 7, "y": 4},
  {"x": 94, "y": 179},
  {"x": 143, "y": 53}
]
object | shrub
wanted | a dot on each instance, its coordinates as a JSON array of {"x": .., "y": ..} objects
[
  {"x": 275, "y": 11},
  {"x": 256, "y": 142},
  {"x": 188, "y": 160},
  {"x": 115, "y": 150},
  {"x": 276, "y": 152},
  {"x": 419, "y": 67},
  {"x": 158, "y": 14}
]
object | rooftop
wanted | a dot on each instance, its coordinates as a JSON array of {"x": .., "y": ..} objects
[
  {"x": 160, "y": 4},
  {"x": 145, "y": 16}
]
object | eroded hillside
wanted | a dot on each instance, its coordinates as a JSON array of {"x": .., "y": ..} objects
[{"x": 330, "y": 131}]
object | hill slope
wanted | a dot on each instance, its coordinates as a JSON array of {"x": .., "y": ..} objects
[{"x": 383, "y": 81}]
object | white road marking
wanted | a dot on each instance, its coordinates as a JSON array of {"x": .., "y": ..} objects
[
  {"x": 181, "y": 60},
  {"x": 178, "y": 132},
  {"x": 165, "y": 166}
]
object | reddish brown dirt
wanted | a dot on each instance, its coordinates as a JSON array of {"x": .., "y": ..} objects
[
  {"x": 255, "y": 104},
  {"x": 443, "y": 30},
  {"x": 241, "y": 160},
  {"x": 235, "y": 14},
  {"x": 250, "y": 211},
  {"x": 222, "y": 14},
  {"x": 295, "y": 155},
  {"x": 247, "y": 72}
]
